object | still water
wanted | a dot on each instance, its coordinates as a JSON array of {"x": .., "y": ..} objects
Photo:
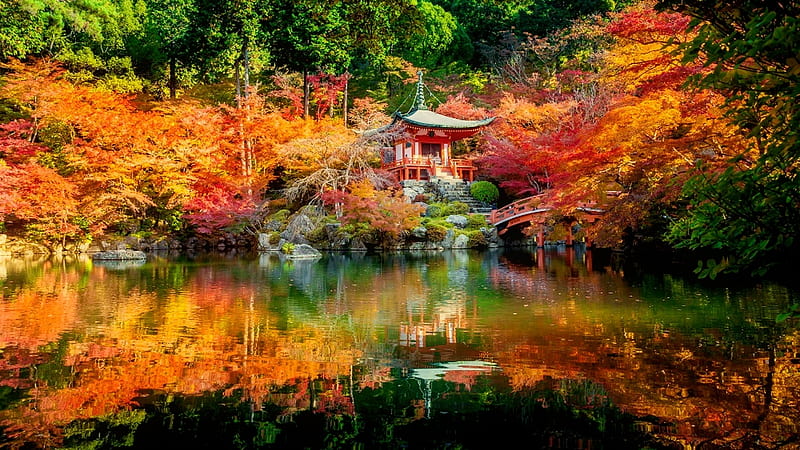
[{"x": 548, "y": 349}]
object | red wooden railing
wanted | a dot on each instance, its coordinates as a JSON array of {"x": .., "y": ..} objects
[
  {"x": 462, "y": 168},
  {"x": 533, "y": 205},
  {"x": 528, "y": 205}
]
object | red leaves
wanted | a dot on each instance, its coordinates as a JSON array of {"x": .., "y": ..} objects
[
  {"x": 385, "y": 212},
  {"x": 218, "y": 206},
  {"x": 16, "y": 141},
  {"x": 645, "y": 26}
]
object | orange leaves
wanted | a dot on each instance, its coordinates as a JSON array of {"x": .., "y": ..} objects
[
  {"x": 369, "y": 211},
  {"x": 631, "y": 129},
  {"x": 533, "y": 117}
]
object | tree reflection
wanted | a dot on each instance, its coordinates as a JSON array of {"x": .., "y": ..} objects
[{"x": 333, "y": 353}]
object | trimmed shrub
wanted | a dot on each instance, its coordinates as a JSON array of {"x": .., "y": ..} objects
[
  {"x": 484, "y": 191},
  {"x": 433, "y": 211},
  {"x": 281, "y": 215},
  {"x": 476, "y": 238},
  {"x": 455, "y": 208},
  {"x": 274, "y": 237},
  {"x": 476, "y": 221},
  {"x": 436, "y": 233}
]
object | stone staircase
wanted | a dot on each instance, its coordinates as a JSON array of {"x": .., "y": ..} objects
[{"x": 456, "y": 190}]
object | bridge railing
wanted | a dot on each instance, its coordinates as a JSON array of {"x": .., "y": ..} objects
[{"x": 514, "y": 209}]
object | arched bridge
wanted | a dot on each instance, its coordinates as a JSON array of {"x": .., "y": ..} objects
[{"x": 531, "y": 211}]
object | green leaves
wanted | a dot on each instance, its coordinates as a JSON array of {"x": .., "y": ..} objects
[{"x": 747, "y": 212}]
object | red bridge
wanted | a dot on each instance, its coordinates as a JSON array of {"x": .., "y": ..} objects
[{"x": 532, "y": 212}]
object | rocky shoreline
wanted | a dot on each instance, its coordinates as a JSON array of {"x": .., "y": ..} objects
[{"x": 300, "y": 236}]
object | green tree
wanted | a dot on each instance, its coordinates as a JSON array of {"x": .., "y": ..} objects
[
  {"x": 165, "y": 39},
  {"x": 428, "y": 46},
  {"x": 328, "y": 36},
  {"x": 21, "y": 28},
  {"x": 748, "y": 214}
]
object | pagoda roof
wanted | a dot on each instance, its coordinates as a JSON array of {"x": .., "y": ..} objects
[{"x": 428, "y": 119}]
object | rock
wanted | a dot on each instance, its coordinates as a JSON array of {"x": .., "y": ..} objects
[
  {"x": 461, "y": 241},
  {"x": 297, "y": 228},
  {"x": 419, "y": 232},
  {"x": 304, "y": 251},
  {"x": 127, "y": 255},
  {"x": 263, "y": 241},
  {"x": 447, "y": 242},
  {"x": 457, "y": 220}
]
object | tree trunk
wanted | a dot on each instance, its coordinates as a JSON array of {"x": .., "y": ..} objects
[
  {"x": 238, "y": 81},
  {"x": 173, "y": 78},
  {"x": 344, "y": 100},
  {"x": 246, "y": 62},
  {"x": 306, "y": 93}
]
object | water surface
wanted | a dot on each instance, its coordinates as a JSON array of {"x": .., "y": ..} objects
[{"x": 558, "y": 348}]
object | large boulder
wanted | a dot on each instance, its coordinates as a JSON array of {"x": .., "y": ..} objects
[
  {"x": 297, "y": 228},
  {"x": 457, "y": 220}
]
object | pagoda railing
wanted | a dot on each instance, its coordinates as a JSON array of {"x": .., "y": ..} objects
[{"x": 458, "y": 167}]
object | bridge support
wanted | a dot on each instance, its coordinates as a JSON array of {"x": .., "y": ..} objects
[
  {"x": 570, "y": 237},
  {"x": 540, "y": 237}
]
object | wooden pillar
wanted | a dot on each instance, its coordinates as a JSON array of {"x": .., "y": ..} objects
[
  {"x": 540, "y": 237},
  {"x": 570, "y": 237},
  {"x": 588, "y": 256}
]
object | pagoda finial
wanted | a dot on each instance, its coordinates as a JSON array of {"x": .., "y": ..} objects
[{"x": 420, "y": 101}]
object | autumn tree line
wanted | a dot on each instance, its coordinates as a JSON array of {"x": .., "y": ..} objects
[{"x": 190, "y": 117}]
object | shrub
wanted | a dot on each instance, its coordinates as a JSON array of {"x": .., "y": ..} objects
[
  {"x": 287, "y": 248},
  {"x": 436, "y": 233},
  {"x": 274, "y": 237},
  {"x": 484, "y": 191},
  {"x": 476, "y": 238},
  {"x": 433, "y": 211},
  {"x": 281, "y": 215},
  {"x": 455, "y": 208},
  {"x": 476, "y": 221}
]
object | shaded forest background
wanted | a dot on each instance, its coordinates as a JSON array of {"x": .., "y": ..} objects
[{"x": 190, "y": 117}]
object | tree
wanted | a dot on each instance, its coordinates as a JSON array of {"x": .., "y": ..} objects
[
  {"x": 327, "y": 36},
  {"x": 428, "y": 46},
  {"x": 167, "y": 25},
  {"x": 747, "y": 211},
  {"x": 375, "y": 216}
]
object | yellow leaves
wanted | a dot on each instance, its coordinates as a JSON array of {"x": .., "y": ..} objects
[
  {"x": 535, "y": 118},
  {"x": 636, "y": 122},
  {"x": 363, "y": 189}
]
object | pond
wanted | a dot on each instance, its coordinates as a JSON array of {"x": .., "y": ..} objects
[{"x": 556, "y": 348}]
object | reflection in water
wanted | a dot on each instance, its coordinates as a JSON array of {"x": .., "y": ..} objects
[{"x": 551, "y": 345}]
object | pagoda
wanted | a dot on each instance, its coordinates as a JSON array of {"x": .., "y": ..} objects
[{"x": 423, "y": 148}]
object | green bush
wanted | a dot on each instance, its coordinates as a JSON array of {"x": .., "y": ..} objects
[
  {"x": 455, "y": 208},
  {"x": 484, "y": 191},
  {"x": 476, "y": 238},
  {"x": 287, "y": 248},
  {"x": 281, "y": 215},
  {"x": 274, "y": 237},
  {"x": 476, "y": 221},
  {"x": 436, "y": 233},
  {"x": 433, "y": 211}
]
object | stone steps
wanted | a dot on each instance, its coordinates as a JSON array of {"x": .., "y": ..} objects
[{"x": 455, "y": 190}]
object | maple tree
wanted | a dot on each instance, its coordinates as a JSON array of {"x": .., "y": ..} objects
[
  {"x": 744, "y": 213},
  {"x": 375, "y": 216},
  {"x": 625, "y": 138}
]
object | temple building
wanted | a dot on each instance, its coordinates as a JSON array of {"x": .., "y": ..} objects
[{"x": 424, "y": 147}]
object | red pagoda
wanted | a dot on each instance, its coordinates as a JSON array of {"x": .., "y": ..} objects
[{"x": 424, "y": 149}]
